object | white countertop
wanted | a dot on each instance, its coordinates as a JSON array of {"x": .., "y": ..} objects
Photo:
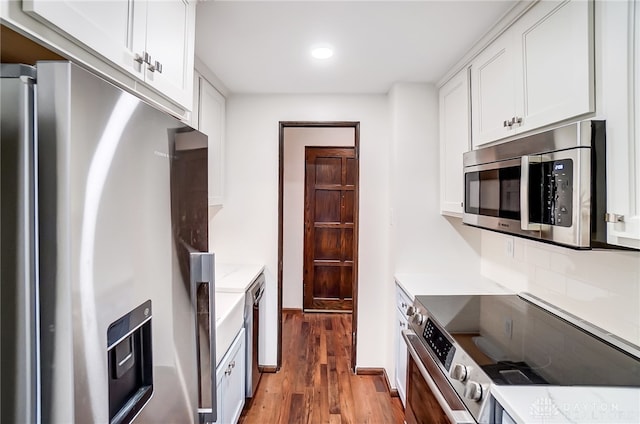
[
  {"x": 552, "y": 404},
  {"x": 236, "y": 278},
  {"x": 445, "y": 284}
]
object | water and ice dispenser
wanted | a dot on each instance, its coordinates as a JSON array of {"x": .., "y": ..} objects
[{"x": 130, "y": 364}]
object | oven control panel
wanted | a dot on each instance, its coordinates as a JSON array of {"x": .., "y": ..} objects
[{"x": 439, "y": 344}]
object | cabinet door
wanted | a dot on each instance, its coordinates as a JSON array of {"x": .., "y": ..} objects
[
  {"x": 170, "y": 32},
  {"x": 454, "y": 141},
  {"x": 211, "y": 119},
  {"x": 234, "y": 388},
  {"x": 103, "y": 26},
  {"x": 493, "y": 91},
  {"x": 401, "y": 357},
  {"x": 619, "y": 104},
  {"x": 555, "y": 44},
  {"x": 230, "y": 376}
]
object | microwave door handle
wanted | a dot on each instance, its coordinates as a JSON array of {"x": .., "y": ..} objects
[
  {"x": 524, "y": 193},
  {"x": 203, "y": 282}
]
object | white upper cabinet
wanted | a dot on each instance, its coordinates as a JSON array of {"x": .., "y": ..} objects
[
  {"x": 454, "y": 141},
  {"x": 494, "y": 91},
  {"x": 170, "y": 41},
  {"x": 618, "y": 59},
  {"x": 211, "y": 121},
  {"x": 152, "y": 40},
  {"x": 555, "y": 48},
  {"x": 539, "y": 72}
]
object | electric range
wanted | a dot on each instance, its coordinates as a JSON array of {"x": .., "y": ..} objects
[{"x": 483, "y": 341}]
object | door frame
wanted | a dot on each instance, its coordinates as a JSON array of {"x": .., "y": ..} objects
[{"x": 354, "y": 315}]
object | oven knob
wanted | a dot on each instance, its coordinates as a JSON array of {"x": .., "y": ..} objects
[
  {"x": 458, "y": 372},
  {"x": 418, "y": 318},
  {"x": 473, "y": 391}
]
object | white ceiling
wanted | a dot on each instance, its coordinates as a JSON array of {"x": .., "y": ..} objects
[{"x": 264, "y": 46}]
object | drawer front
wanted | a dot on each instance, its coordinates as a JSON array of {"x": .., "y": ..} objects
[{"x": 403, "y": 301}]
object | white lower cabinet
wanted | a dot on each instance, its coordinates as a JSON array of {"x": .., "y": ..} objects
[
  {"x": 402, "y": 302},
  {"x": 230, "y": 381}
]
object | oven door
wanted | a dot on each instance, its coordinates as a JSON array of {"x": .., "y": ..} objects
[{"x": 430, "y": 397}]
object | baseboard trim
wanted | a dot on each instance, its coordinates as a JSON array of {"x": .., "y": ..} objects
[
  {"x": 291, "y": 309},
  {"x": 269, "y": 369},
  {"x": 370, "y": 371},
  {"x": 379, "y": 371}
]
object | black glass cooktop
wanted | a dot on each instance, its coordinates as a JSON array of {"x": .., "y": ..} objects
[{"x": 518, "y": 342}]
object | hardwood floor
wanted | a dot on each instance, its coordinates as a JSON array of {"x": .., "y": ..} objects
[{"x": 315, "y": 384}]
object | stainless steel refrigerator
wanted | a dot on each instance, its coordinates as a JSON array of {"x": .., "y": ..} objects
[{"x": 107, "y": 311}]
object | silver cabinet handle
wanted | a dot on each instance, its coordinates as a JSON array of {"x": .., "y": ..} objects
[
  {"x": 202, "y": 283},
  {"x": 613, "y": 217},
  {"x": 524, "y": 193},
  {"x": 156, "y": 66},
  {"x": 144, "y": 58},
  {"x": 511, "y": 122}
]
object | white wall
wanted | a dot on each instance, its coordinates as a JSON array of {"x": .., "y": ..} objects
[
  {"x": 295, "y": 140},
  {"x": 245, "y": 230},
  {"x": 602, "y": 287},
  {"x": 423, "y": 240}
]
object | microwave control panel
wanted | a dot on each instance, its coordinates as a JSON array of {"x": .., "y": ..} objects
[{"x": 558, "y": 189}]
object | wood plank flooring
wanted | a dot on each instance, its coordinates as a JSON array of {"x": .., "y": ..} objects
[{"x": 315, "y": 384}]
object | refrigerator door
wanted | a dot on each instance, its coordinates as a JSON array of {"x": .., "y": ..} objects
[
  {"x": 112, "y": 284},
  {"x": 20, "y": 398}
]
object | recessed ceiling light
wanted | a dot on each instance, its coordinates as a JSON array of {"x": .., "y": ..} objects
[{"x": 322, "y": 52}]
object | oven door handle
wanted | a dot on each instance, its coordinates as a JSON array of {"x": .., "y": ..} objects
[{"x": 457, "y": 416}]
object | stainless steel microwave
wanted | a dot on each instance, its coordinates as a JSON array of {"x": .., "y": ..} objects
[{"x": 549, "y": 186}]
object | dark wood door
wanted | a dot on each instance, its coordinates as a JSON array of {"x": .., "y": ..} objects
[{"x": 330, "y": 216}]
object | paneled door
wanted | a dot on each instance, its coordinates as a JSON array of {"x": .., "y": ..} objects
[{"x": 330, "y": 214}]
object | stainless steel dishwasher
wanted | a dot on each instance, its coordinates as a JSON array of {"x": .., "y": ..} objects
[{"x": 252, "y": 333}]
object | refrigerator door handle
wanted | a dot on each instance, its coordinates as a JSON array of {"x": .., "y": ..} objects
[{"x": 202, "y": 276}]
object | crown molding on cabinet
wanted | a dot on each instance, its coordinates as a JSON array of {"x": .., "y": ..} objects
[
  {"x": 213, "y": 79},
  {"x": 508, "y": 19}
]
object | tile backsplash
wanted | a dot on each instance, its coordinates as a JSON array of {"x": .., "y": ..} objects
[{"x": 601, "y": 286}]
